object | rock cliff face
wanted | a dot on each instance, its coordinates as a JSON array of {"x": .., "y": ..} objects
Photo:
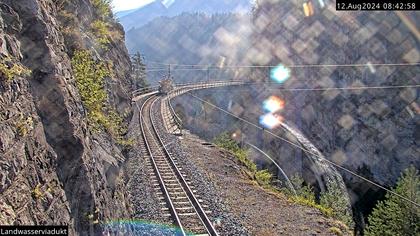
[{"x": 53, "y": 169}]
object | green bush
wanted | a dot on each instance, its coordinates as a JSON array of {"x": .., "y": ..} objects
[
  {"x": 103, "y": 8},
  {"x": 331, "y": 204},
  {"x": 37, "y": 192},
  {"x": 101, "y": 31},
  {"x": 224, "y": 141},
  {"x": 10, "y": 69},
  {"x": 309, "y": 202},
  {"x": 263, "y": 177},
  {"x": 90, "y": 80},
  {"x": 396, "y": 216},
  {"x": 305, "y": 195},
  {"x": 90, "y": 77},
  {"x": 302, "y": 190},
  {"x": 24, "y": 125},
  {"x": 102, "y": 26},
  {"x": 104, "y": 33}
]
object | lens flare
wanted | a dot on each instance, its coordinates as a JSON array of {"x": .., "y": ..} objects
[
  {"x": 273, "y": 104},
  {"x": 280, "y": 73},
  {"x": 308, "y": 9},
  {"x": 271, "y": 120},
  {"x": 371, "y": 68},
  {"x": 124, "y": 226}
]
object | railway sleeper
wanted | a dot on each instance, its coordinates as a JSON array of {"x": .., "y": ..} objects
[
  {"x": 185, "y": 209},
  {"x": 160, "y": 161},
  {"x": 178, "y": 189},
  {"x": 164, "y": 168},
  {"x": 179, "y": 198},
  {"x": 187, "y": 214},
  {"x": 200, "y": 229},
  {"x": 167, "y": 173},
  {"x": 181, "y": 203},
  {"x": 176, "y": 193},
  {"x": 171, "y": 180}
]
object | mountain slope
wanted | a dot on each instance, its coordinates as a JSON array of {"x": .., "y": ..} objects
[
  {"x": 191, "y": 39},
  {"x": 158, "y": 8}
]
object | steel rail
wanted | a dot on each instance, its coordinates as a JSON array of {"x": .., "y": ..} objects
[
  {"x": 200, "y": 215},
  {"x": 161, "y": 183},
  {"x": 194, "y": 201}
]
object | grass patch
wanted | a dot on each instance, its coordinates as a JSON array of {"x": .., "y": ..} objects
[
  {"x": 263, "y": 177},
  {"x": 328, "y": 212},
  {"x": 224, "y": 141},
  {"x": 305, "y": 195},
  {"x": 331, "y": 205}
]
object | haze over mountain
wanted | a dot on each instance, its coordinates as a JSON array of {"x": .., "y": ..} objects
[
  {"x": 191, "y": 39},
  {"x": 147, "y": 13}
]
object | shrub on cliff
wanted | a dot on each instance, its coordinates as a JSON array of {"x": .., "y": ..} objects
[
  {"x": 9, "y": 69},
  {"x": 90, "y": 80},
  {"x": 103, "y": 8},
  {"x": 396, "y": 216},
  {"x": 104, "y": 33},
  {"x": 101, "y": 31}
]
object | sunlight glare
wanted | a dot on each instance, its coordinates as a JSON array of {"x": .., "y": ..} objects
[{"x": 280, "y": 73}]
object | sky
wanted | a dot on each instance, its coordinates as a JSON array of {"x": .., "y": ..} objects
[{"x": 122, "y": 5}]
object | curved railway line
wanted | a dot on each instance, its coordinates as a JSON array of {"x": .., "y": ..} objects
[{"x": 181, "y": 203}]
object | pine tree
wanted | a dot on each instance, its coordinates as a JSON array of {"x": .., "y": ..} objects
[
  {"x": 396, "y": 216},
  {"x": 334, "y": 199},
  {"x": 139, "y": 71}
]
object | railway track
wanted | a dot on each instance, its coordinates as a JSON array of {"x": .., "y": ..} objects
[{"x": 179, "y": 201}]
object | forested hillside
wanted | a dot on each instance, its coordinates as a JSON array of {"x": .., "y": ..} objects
[{"x": 190, "y": 39}]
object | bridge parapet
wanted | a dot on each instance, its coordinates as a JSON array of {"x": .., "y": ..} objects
[{"x": 172, "y": 122}]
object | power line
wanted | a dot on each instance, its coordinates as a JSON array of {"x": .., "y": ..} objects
[
  {"x": 306, "y": 151},
  {"x": 291, "y": 66},
  {"x": 347, "y": 88},
  {"x": 321, "y": 89}
]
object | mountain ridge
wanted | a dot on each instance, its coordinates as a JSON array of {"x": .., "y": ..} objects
[{"x": 143, "y": 15}]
